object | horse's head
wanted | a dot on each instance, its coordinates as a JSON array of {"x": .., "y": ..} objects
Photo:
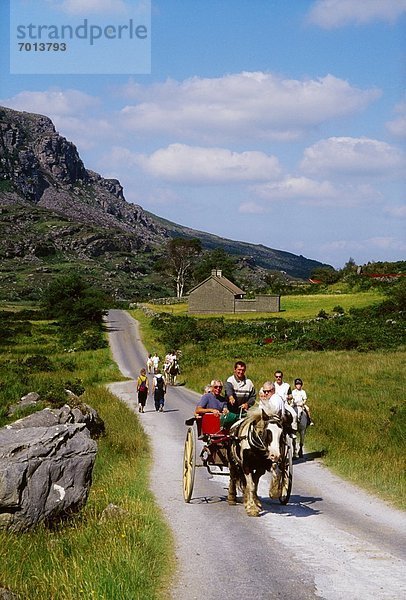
[
  {"x": 273, "y": 415},
  {"x": 272, "y": 439}
]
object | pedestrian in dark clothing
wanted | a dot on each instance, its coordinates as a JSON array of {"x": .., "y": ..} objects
[
  {"x": 142, "y": 389},
  {"x": 159, "y": 391}
]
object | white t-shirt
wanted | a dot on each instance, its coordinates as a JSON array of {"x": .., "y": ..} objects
[
  {"x": 283, "y": 389},
  {"x": 299, "y": 397}
]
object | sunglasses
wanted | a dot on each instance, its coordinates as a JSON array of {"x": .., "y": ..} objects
[
  {"x": 217, "y": 387},
  {"x": 267, "y": 391}
]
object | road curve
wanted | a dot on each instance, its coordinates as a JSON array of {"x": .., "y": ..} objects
[{"x": 331, "y": 541}]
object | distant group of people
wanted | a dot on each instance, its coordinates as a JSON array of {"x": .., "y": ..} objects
[
  {"x": 159, "y": 387},
  {"x": 153, "y": 363},
  {"x": 238, "y": 395},
  {"x": 229, "y": 401}
]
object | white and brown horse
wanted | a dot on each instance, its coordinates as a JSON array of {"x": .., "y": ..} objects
[
  {"x": 303, "y": 422},
  {"x": 171, "y": 371},
  {"x": 255, "y": 448}
]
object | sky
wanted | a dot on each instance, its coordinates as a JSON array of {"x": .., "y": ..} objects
[{"x": 275, "y": 122}]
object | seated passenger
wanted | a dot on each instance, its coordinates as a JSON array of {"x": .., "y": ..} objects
[{"x": 212, "y": 401}]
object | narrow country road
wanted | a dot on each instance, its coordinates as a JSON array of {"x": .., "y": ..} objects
[{"x": 331, "y": 541}]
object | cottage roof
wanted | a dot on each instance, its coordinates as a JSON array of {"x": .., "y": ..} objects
[{"x": 217, "y": 276}]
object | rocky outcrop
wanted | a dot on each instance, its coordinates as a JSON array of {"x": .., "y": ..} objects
[
  {"x": 50, "y": 417},
  {"x": 34, "y": 157},
  {"x": 40, "y": 166},
  {"x": 45, "y": 470}
]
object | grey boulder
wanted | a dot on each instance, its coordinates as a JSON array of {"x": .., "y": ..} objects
[{"x": 45, "y": 472}]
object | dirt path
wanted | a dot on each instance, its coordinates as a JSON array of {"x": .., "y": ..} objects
[{"x": 331, "y": 541}]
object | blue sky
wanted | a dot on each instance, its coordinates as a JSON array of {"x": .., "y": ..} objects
[{"x": 276, "y": 122}]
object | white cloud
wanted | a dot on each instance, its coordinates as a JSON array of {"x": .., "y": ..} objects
[
  {"x": 52, "y": 102},
  {"x": 79, "y": 7},
  {"x": 336, "y": 13},
  {"x": 396, "y": 211},
  {"x": 68, "y": 109},
  {"x": 251, "y": 104},
  {"x": 251, "y": 208},
  {"x": 311, "y": 192},
  {"x": 353, "y": 157},
  {"x": 204, "y": 166},
  {"x": 369, "y": 245},
  {"x": 397, "y": 127},
  {"x": 296, "y": 187}
]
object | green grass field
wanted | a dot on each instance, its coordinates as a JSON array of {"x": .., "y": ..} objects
[{"x": 292, "y": 307}]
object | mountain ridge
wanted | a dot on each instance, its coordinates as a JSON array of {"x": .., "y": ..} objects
[{"x": 54, "y": 210}]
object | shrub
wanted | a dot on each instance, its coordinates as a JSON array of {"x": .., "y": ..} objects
[
  {"x": 54, "y": 393},
  {"x": 74, "y": 302},
  {"x": 75, "y": 386},
  {"x": 91, "y": 339},
  {"x": 38, "y": 363}
]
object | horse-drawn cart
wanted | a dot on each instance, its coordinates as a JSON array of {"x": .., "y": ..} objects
[
  {"x": 213, "y": 455},
  {"x": 221, "y": 449}
]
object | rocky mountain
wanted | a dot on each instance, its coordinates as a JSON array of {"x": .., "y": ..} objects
[{"x": 55, "y": 213}]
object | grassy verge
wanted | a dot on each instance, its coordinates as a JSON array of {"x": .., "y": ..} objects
[
  {"x": 356, "y": 400},
  {"x": 89, "y": 558}
]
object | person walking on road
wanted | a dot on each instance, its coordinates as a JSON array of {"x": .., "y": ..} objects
[
  {"x": 142, "y": 390},
  {"x": 150, "y": 364},
  {"x": 155, "y": 362},
  {"x": 159, "y": 391}
]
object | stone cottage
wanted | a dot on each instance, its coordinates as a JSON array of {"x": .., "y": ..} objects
[{"x": 217, "y": 294}]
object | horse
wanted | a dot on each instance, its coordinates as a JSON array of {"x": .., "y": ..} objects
[
  {"x": 171, "y": 371},
  {"x": 257, "y": 446},
  {"x": 303, "y": 422}
]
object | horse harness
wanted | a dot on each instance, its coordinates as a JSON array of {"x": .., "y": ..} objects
[{"x": 254, "y": 438}]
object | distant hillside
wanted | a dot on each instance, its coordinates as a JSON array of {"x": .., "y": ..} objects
[
  {"x": 256, "y": 254},
  {"x": 55, "y": 214}
]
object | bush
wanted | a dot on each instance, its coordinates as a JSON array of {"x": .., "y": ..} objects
[
  {"x": 38, "y": 363},
  {"x": 54, "y": 393},
  {"x": 75, "y": 386},
  {"x": 74, "y": 302},
  {"x": 91, "y": 339}
]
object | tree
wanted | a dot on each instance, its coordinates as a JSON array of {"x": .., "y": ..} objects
[
  {"x": 74, "y": 302},
  {"x": 325, "y": 275},
  {"x": 214, "y": 259},
  {"x": 182, "y": 254}
]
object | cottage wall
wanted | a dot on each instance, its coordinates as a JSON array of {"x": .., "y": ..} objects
[
  {"x": 212, "y": 297},
  {"x": 245, "y": 306},
  {"x": 261, "y": 303},
  {"x": 268, "y": 303}
]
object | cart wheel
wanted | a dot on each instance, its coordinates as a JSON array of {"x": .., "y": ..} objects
[
  {"x": 287, "y": 473},
  {"x": 189, "y": 464}
]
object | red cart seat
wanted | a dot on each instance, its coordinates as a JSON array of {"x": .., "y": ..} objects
[{"x": 211, "y": 424}]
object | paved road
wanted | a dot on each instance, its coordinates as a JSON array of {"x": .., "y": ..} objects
[{"x": 331, "y": 541}]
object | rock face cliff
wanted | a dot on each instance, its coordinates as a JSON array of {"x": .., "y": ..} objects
[
  {"x": 40, "y": 167},
  {"x": 54, "y": 213}
]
